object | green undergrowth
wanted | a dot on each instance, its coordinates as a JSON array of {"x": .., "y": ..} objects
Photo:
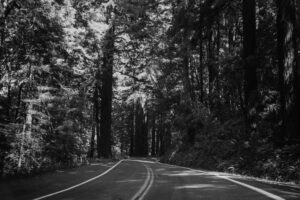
[
  {"x": 26, "y": 171},
  {"x": 279, "y": 165},
  {"x": 207, "y": 143},
  {"x": 47, "y": 167}
]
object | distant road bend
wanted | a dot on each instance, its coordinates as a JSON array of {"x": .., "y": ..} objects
[{"x": 147, "y": 180}]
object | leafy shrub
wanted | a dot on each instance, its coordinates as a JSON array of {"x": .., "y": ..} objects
[{"x": 226, "y": 147}]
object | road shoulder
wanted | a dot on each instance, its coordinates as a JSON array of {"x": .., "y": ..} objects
[
  {"x": 286, "y": 191},
  {"x": 38, "y": 185}
]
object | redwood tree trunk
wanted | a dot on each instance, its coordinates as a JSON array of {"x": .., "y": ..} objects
[
  {"x": 153, "y": 149},
  {"x": 106, "y": 96},
  {"x": 96, "y": 118},
  {"x": 141, "y": 131},
  {"x": 94, "y": 122},
  {"x": 201, "y": 70},
  {"x": 131, "y": 131},
  {"x": 188, "y": 95},
  {"x": 18, "y": 102},
  {"x": 92, "y": 147},
  {"x": 211, "y": 68},
  {"x": 288, "y": 71},
  {"x": 158, "y": 136},
  {"x": 249, "y": 56}
]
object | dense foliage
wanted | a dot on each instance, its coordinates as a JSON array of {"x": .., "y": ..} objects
[
  {"x": 210, "y": 83},
  {"x": 48, "y": 56}
]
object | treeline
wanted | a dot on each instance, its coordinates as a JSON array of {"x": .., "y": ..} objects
[
  {"x": 51, "y": 55},
  {"x": 225, "y": 91},
  {"x": 62, "y": 65},
  {"x": 211, "y": 83},
  {"x": 239, "y": 70}
]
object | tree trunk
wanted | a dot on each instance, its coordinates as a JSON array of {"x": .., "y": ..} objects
[
  {"x": 141, "y": 131},
  {"x": 138, "y": 130},
  {"x": 158, "y": 136},
  {"x": 187, "y": 88},
  {"x": 162, "y": 141},
  {"x": 153, "y": 132},
  {"x": 26, "y": 134},
  {"x": 92, "y": 147},
  {"x": 145, "y": 134},
  {"x": 227, "y": 93},
  {"x": 8, "y": 105},
  {"x": 249, "y": 56},
  {"x": 201, "y": 70},
  {"x": 211, "y": 70},
  {"x": 168, "y": 138},
  {"x": 218, "y": 72},
  {"x": 97, "y": 120},
  {"x": 94, "y": 123},
  {"x": 106, "y": 95},
  {"x": 18, "y": 102},
  {"x": 131, "y": 131},
  {"x": 288, "y": 72},
  {"x": 187, "y": 98}
]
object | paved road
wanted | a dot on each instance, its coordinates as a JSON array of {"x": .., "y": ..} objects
[{"x": 137, "y": 180}]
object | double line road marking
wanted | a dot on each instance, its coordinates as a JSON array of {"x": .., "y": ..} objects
[{"x": 140, "y": 195}]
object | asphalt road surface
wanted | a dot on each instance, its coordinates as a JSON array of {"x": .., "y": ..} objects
[{"x": 147, "y": 180}]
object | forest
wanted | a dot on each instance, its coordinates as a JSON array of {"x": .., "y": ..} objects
[{"x": 212, "y": 84}]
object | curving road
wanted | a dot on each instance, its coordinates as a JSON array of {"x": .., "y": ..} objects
[{"x": 146, "y": 180}]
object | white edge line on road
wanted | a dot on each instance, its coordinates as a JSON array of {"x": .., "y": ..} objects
[
  {"x": 144, "y": 185},
  {"x": 80, "y": 184},
  {"x": 268, "y": 194}
]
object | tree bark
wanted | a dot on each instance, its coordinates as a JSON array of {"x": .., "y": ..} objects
[
  {"x": 162, "y": 141},
  {"x": 218, "y": 88},
  {"x": 92, "y": 147},
  {"x": 25, "y": 134},
  {"x": 158, "y": 136},
  {"x": 131, "y": 131},
  {"x": 188, "y": 97},
  {"x": 97, "y": 120},
  {"x": 141, "y": 131},
  {"x": 153, "y": 132},
  {"x": 145, "y": 133},
  {"x": 288, "y": 72},
  {"x": 94, "y": 122},
  {"x": 106, "y": 95},
  {"x": 201, "y": 71},
  {"x": 138, "y": 130},
  {"x": 249, "y": 57},
  {"x": 211, "y": 68},
  {"x": 19, "y": 101}
]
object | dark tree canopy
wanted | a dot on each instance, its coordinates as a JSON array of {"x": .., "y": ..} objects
[{"x": 210, "y": 83}]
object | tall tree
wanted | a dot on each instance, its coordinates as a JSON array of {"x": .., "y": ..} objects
[
  {"x": 106, "y": 95},
  {"x": 289, "y": 71},
  {"x": 250, "y": 60},
  {"x": 153, "y": 132}
]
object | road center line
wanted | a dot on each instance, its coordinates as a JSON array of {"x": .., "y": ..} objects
[
  {"x": 149, "y": 186},
  {"x": 146, "y": 186},
  {"x": 263, "y": 192},
  {"x": 80, "y": 184}
]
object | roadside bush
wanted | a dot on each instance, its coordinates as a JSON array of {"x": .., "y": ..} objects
[{"x": 225, "y": 147}]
